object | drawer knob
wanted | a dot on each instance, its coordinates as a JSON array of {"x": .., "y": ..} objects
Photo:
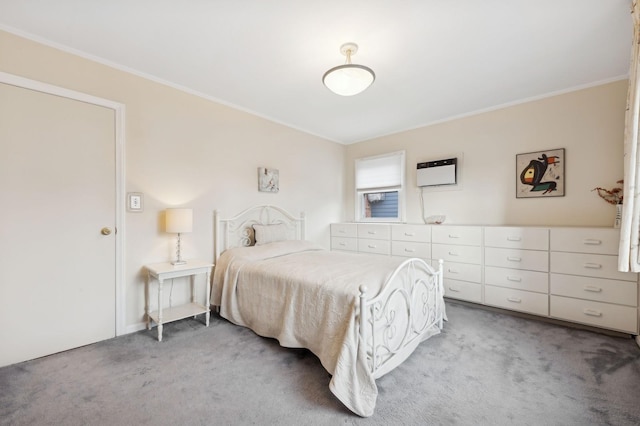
[
  {"x": 371, "y": 246},
  {"x": 514, "y": 279},
  {"x": 453, "y": 236},
  {"x": 592, "y": 242},
  {"x": 453, "y": 253},
  {"x": 514, "y": 239},
  {"x": 452, "y": 271},
  {"x": 514, "y": 259},
  {"x": 589, "y": 265},
  {"x": 409, "y": 234},
  {"x": 453, "y": 289},
  {"x": 343, "y": 244},
  {"x": 371, "y": 232},
  {"x": 514, "y": 299},
  {"x": 592, "y": 313},
  {"x": 592, "y": 289},
  {"x": 408, "y": 250}
]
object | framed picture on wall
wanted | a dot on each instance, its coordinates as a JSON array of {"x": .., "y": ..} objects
[
  {"x": 268, "y": 180},
  {"x": 540, "y": 174}
]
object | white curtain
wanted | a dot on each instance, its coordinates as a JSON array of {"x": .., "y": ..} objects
[{"x": 628, "y": 259}]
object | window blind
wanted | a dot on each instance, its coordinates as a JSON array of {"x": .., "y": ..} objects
[{"x": 380, "y": 172}]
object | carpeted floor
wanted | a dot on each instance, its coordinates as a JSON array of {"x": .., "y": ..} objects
[{"x": 486, "y": 368}]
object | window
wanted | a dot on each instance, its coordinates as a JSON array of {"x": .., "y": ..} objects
[{"x": 379, "y": 187}]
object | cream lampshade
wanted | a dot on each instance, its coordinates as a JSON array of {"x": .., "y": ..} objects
[{"x": 178, "y": 221}]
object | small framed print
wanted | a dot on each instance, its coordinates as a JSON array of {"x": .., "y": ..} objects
[
  {"x": 540, "y": 174},
  {"x": 268, "y": 180}
]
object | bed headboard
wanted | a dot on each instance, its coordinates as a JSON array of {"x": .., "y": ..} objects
[{"x": 238, "y": 230}]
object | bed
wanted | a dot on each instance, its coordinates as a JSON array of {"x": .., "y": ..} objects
[{"x": 361, "y": 315}]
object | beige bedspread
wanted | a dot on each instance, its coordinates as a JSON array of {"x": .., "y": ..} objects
[{"x": 259, "y": 287}]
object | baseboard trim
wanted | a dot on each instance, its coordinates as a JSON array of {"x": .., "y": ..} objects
[{"x": 132, "y": 328}]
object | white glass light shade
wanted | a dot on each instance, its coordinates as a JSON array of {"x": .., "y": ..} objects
[
  {"x": 178, "y": 221},
  {"x": 348, "y": 79}
]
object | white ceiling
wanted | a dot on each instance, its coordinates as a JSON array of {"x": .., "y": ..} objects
[{"x": 433, "y": 59}]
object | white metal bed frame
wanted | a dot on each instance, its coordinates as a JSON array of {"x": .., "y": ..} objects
[{"x": 393, "y": 322}]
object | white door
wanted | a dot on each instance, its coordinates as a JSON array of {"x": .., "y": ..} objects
[{"x": 57, "y": 194}]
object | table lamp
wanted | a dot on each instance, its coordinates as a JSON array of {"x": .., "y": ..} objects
[{"x": 178, "y": 221}]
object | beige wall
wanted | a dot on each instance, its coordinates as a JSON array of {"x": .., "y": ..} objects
[
  {"x": 182, "y": 150},
  {"x": 587, "y": 123}
]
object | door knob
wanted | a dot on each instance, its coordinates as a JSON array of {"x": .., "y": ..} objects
[{"x": 105, "y": 231}]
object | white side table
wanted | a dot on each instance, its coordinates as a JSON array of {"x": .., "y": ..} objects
[{"x": 164, "y": 271}]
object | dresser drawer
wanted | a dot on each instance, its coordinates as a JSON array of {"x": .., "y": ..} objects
[
  {"x": 597, "y": 289},
  {"x": 344, "y": 230},
  {"x": 615, "y": 317},
  {"x": 517, "y": 259},
  {"x": 461, "y": 271},
  {"x": 517, "y": 238},
  {"x": 585, "y": 240},
  {"x": 463, "y": 290},
  {"x": 516, "y": 300},
  {"x": 374, "y": 246},
  {"x": 411, "y": 249},
  {"x": 464, "y": 235},
  {"x": 374, "y": 231},
  {"x": 517, "y": 279},
  {"x": 416, "y": 233},
  {"x": 591, "y": 265},
  {"x": 452, "y": 253},
  {"x": 343, "y": 243}
]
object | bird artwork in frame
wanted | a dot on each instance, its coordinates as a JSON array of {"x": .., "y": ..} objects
[
  {"x": 268, "y": 180},
  {"x": 540, "y": 174}
]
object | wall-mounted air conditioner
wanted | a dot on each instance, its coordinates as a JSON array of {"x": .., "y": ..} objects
[{"x": 436, "y": 173}]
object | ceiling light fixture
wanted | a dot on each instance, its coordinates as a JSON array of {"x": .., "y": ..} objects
[{"x": 348, "y": 79}]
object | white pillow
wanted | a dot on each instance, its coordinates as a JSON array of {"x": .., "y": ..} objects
[{"x": 270, "y": 233}]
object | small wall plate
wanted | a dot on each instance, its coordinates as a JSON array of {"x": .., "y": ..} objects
[{"x": 135, "y": 202}]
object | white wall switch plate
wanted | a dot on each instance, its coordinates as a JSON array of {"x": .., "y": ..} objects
[{"x": 135, "y": 201}]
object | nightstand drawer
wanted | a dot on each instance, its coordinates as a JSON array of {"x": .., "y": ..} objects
[
  {"x": 463, "y": 235},
  {"x": 615, "y": 317},
  {"x": 517, "y": 300},
  {"x": 411, "y": 249},
  {"x": 591, "y": 265},
  {"x": 344, "y": 230},
  {"x": 517, "y": 279},
  {"x": 416, "y": 233},
  {"x": 517, "y": 238},
  {"x": 454, "y": 253},
  {"x": 597, "y": 289},
  {"x": 463, "y": 290},
  {"x": 518, "y": 259},
  {"x": 343, "y": 243},
  {"x": 374, "y": 231},
  {"x": 374, "y": 246}
]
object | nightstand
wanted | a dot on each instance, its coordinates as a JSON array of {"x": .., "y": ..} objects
[{"x": 164, "y": 271}]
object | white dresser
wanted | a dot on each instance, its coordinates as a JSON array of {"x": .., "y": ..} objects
[
  {"x": 516, "y": 266},
  {"x": 585, "y": 284},
  {"x": 411, "y": 241},
  {"x": 567, "y": 273},
  {"x": 374, "y": 238},
  {"x": 460, "y": 248}
]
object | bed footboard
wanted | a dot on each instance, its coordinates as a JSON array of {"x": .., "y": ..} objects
[{"x": 408, "y": 309}]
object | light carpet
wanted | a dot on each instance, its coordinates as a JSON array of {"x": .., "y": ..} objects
[{"x": 486, "y": 368}]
